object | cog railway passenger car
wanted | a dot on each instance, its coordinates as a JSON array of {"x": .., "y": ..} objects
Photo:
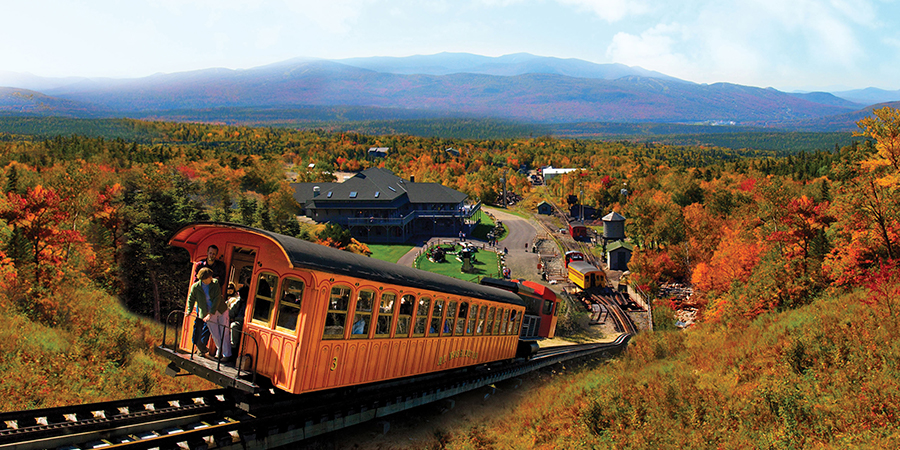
[
  {"x": 586, "y": 275},
  {"x": 319, "y": 318}
]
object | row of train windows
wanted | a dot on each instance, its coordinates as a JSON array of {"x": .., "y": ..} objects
[
  {"x": 390, "y": 317},
  {"x": 382, "y": 317}
]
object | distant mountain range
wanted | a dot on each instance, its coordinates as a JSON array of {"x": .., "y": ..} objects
[{"x": 519, "y": 87}]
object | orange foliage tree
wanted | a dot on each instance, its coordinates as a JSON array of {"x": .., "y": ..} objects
[
  {"x": 733, "y": 261},
  {"x": 804, "y": 221},
  {"x": 38, "y": 216}
]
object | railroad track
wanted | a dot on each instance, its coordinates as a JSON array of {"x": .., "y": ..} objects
[
  {"x": 109, "y": 422},
  {"x": 566, "y": 242},
  {"x": 220, "y": 419}
]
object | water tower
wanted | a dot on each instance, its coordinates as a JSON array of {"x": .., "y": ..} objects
[{"x": 613, "y": 227}]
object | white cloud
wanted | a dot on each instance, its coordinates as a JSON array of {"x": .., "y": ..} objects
[
  {"x": 334, "y": 16},
  {"x": 749, "y": 42},
  {"x": 610, "y": 10},
  {"x": 657, "y": 48}
]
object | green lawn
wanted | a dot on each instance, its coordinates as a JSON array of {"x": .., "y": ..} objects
[
  {"x": 485, "y": 266},
  {"x": 389, "y": 253}
]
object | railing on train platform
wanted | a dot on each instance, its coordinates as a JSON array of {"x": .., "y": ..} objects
[{"x": 238, "y": 361}]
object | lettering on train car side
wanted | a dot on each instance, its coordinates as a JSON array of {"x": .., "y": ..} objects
[
  {"x": 457, "y": 354},
  {"x": 334, "y": 364}
]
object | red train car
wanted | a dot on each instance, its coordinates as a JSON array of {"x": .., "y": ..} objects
[
  {"x": 573, "y": 255},
  {"x": 578, "y": 231},
  {"x": 541, "y": 306},
  {"x": 319, "y": 318}
]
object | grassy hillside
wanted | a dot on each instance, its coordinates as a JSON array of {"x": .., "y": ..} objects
[
  {"x": 81, "y": 346},
  {"x": 822, "y": 376}
]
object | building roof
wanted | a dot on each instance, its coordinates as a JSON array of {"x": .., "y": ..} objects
[
  {"x": 620, "y": 245},
  {"x": 375, "y": 185},
  {"x": 550, "y": 170},
  {"x": 544, "y": 203},
  {"x": 613, "y": 217}
]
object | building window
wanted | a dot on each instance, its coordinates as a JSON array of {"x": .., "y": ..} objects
[{"x": 352, "y": 194}]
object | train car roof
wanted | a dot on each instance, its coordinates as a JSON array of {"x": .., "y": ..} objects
[
  {"x": 307, "y": 255},
  {"x": 540, "y": 289},
  {"x": 583, "y": 267}
]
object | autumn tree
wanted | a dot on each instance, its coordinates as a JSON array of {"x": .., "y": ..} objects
[
  {"x": 39, "y": 217},
  {"x": 884, "y": 128},
  {"x": 733, "y": 261}
]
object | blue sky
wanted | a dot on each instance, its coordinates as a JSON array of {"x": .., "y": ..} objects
[{"x": 786, "y": 44}]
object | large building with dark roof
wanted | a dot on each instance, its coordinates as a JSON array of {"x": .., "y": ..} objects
[{"x": 378, "y": 206}]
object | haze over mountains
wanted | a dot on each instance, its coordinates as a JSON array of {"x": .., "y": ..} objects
[{"x": 518, "y": 87}]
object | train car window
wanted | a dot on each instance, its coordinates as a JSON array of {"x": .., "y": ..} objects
[
  {"x": 422, "y": 316},
  {"x": 385, "y": 315},
  {"x": 435, "y": 329},
  {"x": 362, "y": 316},
  {"x": 489, "y": 326},
  {"x": 263, "y": 303},
  {"x": 548, "y": 307},
  {"x": 511, "y": 325},
  {"x": 404, "y": 315},
  {"x": 450, "y": 320},
  {"x": 501, "y": 323},
  {"x": 472, "y": 318},
  {"x": 337, "y": 312},
  {"x": 461, "y": 321},
  {"x": 289, "y": 306},
  {"x": 481, "y": 313},
  {"x": 517, "y": 328}
]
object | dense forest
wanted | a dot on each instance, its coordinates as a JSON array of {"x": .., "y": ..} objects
[{"x": 761, "y": 235}]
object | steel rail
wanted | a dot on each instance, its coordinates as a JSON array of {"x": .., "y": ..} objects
[{"x": 52, "y": 427}]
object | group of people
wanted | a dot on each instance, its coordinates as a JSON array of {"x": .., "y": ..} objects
[{"x": 218, "y": 316}]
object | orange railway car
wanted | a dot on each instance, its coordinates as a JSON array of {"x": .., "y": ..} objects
[{"x": 319, "y": 318}]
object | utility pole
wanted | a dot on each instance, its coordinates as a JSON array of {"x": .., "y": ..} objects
[{"x": 581, "y": 201}]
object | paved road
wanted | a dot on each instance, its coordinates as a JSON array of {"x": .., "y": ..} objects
[{"x": 522, "y": 263}]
